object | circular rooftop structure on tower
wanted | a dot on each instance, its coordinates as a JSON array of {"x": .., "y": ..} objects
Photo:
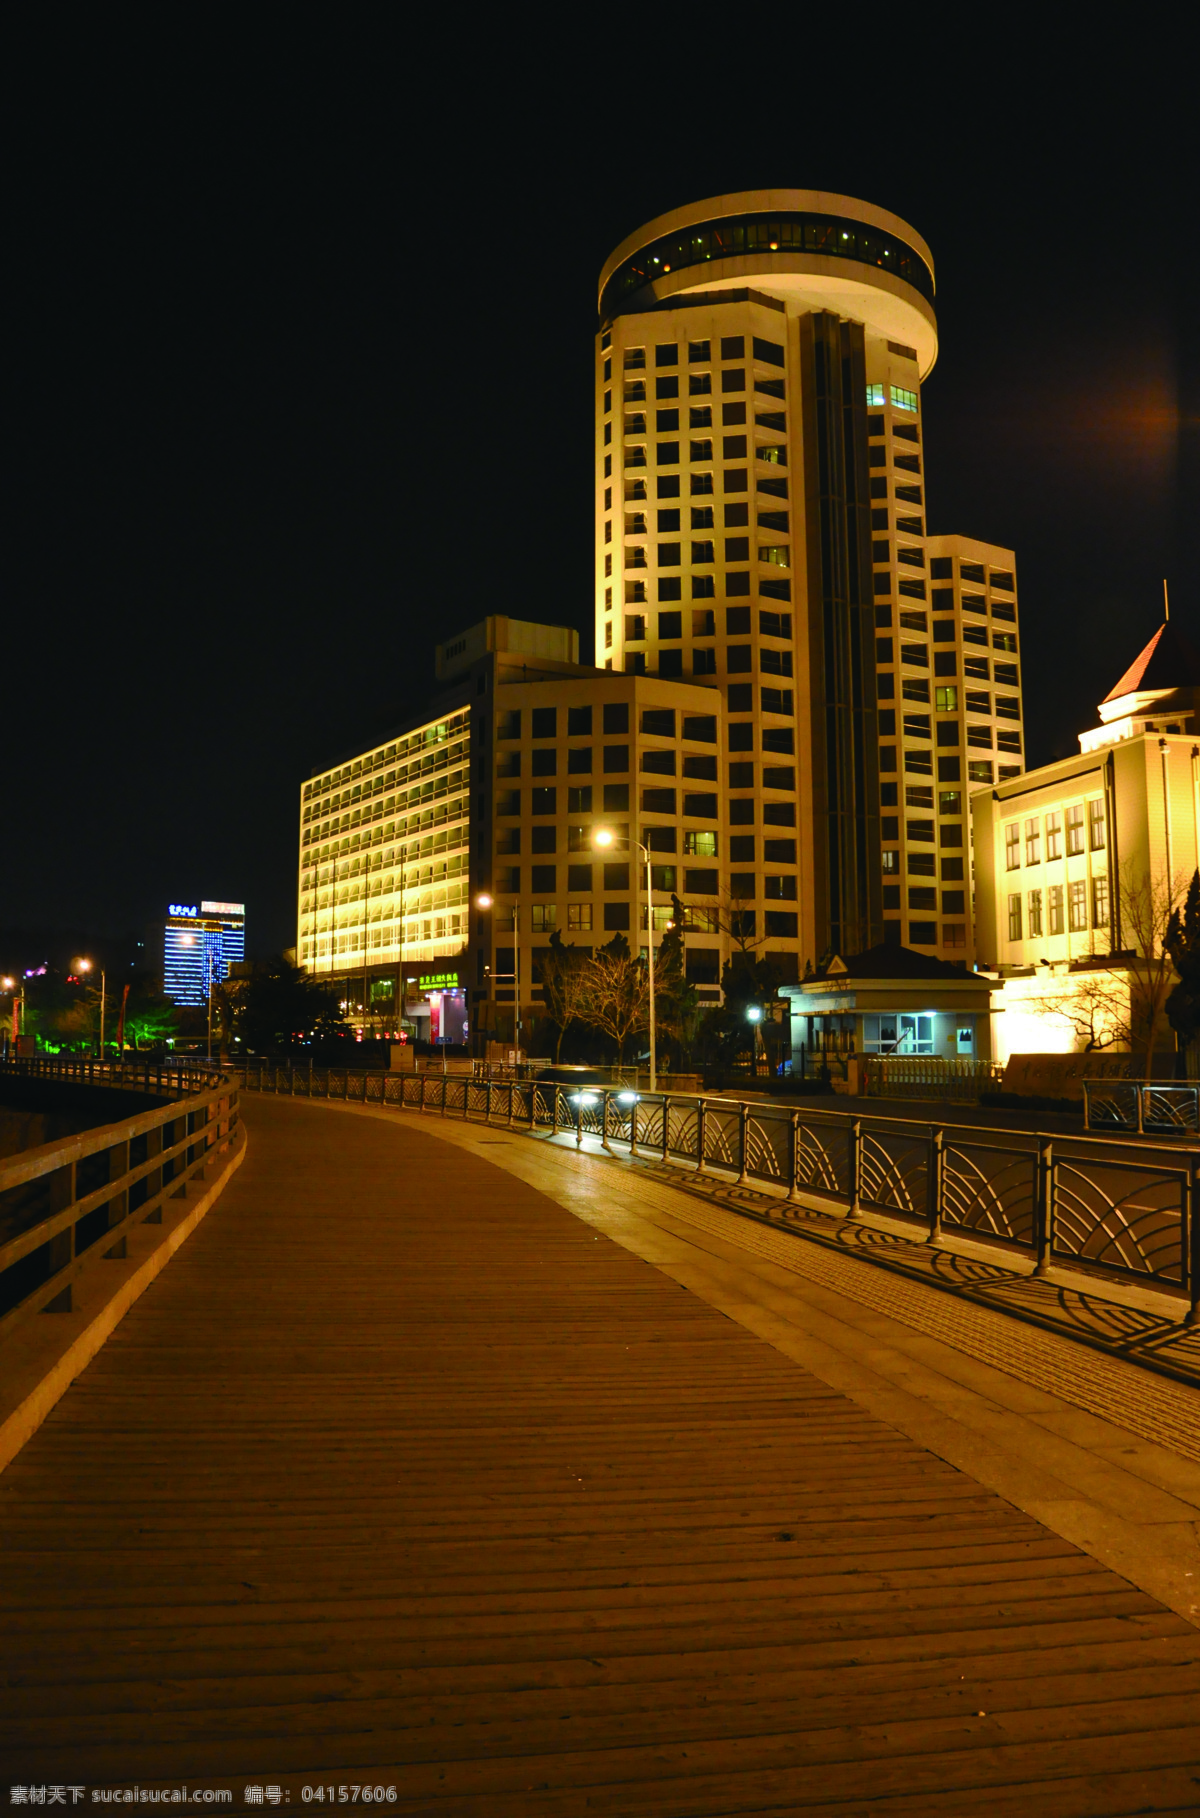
[{"x": 806, "y": 247}]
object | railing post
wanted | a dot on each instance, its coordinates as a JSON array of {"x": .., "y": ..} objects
[
  {"x": 937, "y": 1142},
  {"x": 1141, "y": 1105},
  {"x": 445, "y": 1089},
  {"x": 700, "y": 1134},
  {"x": 604, "y": 1118},
  {"x": 510, "y": 1104},
  {"x": 666, "y": 1126},
  {"x": 743, "y": 1139},
  {"x": 1044, "y": 1209},
  {"x": 579, "y": 1120},
  {"x": 487, "y": 1100},
  {"x": 794, "y": 1158},
  {"x": 423, "y": 1077},
  {"x": 555, "y": 1112},
  {"x": 855, "y": 1182},
  {"x": 633, "y": 1111},
  {"x": 1190, "y": 1235}
]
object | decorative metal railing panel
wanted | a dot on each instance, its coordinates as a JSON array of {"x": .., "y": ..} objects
[
  {"x": 1142, "y": 1105},
  {"x": 1122, "y": 1209}
]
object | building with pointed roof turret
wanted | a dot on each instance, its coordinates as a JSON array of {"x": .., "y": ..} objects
[{"x": 1077, "y": 864}]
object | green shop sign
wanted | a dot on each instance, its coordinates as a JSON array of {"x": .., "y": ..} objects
[{"x": 438, "y": 981}]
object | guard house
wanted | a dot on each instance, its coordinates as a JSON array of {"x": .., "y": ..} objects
[{"x": 890, "y": 1000}]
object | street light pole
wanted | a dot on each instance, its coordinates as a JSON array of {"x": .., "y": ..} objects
[{"x": 85, "y": 965}]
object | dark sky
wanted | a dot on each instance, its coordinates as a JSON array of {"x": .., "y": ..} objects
[{"x": 303, "y": 384}]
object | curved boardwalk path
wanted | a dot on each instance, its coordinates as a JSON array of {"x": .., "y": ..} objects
[{"x": 402, "y": 1474}]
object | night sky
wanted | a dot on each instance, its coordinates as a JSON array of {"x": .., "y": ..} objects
[{"x": 303, "y": 384}]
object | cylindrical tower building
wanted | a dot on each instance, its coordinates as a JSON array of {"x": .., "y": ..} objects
[{"x": 760, "y": 522}]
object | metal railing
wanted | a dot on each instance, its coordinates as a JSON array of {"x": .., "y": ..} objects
[
  {"x": 930, "y": 1075},
  {"x": 1124, "y": 1210},
  {"x": 61, "y": 1204},
  {"x": 1141, "y": 1105}
]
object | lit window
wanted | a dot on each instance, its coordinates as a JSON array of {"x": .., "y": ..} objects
[
  {"x": 1099, "y": 902},
  {"x": 1055, "y": 895},
  {"x": 1096, "y": 834},
  {"x": 777, "y": 556},
  {"x": 1012, "y": 846},
  {"x": 579, "y": 916},
  {"x": 946, "y": 700},
  {"x": 891, "y": 861},
  {"x": 903, "y": 400},
  {"x": 1014, "y": 917},
  {"x": 1075, "y": 831},
  {"x": 1077, "y": 906},
  {"x": 1035, "y": 913},
  {"x": 697, "y": 844},
  {"x": 1033, "y": 845},
  {"x": 1054, "y": 843},
  {"x": 875, "y": 397}
]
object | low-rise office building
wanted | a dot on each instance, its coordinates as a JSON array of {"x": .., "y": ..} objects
[{"x": 443, "y": 859}]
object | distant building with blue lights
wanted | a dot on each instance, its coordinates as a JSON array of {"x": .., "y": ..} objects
[{"x": 201, "y": 941}]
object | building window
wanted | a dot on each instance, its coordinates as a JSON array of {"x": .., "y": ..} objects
[
  {"x": 902, "y": 399},
  {"x": 704, "y": 661},
  {"x": 1096, "y": 833},
  {"x": 979, "y": 772},
  {"x": 579, "y": 760},
  {"x": 946, "y": 700},
  {"x": 1054, "y": 841},
  {"x": 579, "y": 799},
  {"x": 891, "y": 1034},
  {"x": 1077, "y": 907},
  {"x": 1099, "y": 902},
  {"x": 954, "y": 934},
  {"x": 703, "y": 587},
  {"x": 1075, "y": 831},
  {"x": 579, "y": 917},
  {"x": 1035, "y": 914},
  {"x": 698, "y": 844},
  {"x": 1033, "y": 844},
  {"x": 1055, "y": 895},
  {"x": 1012, "y": 846},
  {"x": 1014, "y": 917},
  {"x": 875, "y": 397},
  {"x": 545, "y": 918}
]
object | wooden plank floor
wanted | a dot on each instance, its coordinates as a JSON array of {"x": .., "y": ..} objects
[{"x": 400, "y": 1474}]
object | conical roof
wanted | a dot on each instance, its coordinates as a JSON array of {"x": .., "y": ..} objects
[{"x": 1167, "y": 662}]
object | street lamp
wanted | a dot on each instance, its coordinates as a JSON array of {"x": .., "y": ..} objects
[
  {"x": 85, "y": 965},
  {"x": 484, "y": 901},
  {"x": 18, "y": 999},
  {"x": 754, "y": 1016},
  {"x": 604, "y": 837}
]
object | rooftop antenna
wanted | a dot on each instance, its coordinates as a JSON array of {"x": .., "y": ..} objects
[{"x": 1166, "y": 602}]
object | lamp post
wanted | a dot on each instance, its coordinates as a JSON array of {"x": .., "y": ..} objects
[
  {"x": 85, "y": 965},
  {"x": 605, "y": 837},
  {"x": 484, "y": 901},
  {"x": 18, "y": 1005},
  {"x": 754, "y": 1016}
]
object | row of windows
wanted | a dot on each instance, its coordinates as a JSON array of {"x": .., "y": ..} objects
[
  {"x": 735, "y": 583},
  {"x": 423, "y": 744},
  {"x": 918, "y": 762},
  {"x": 615, "y": 761},
  {"x": 1075, "y": 816},
  {"x": 827, "y": 236},
  {"x": 922, "y": 897},
  {"x": 901, "y": 398},
  {"x": 943, "y": 601},
  {"x": 595, "y": 878},
  {"x": 737, "y": 549},
  {"x": 942, "y": 569},
  {"x": 943, "y": 631},
  {"x": 699, "y": 353},
  {"x": 1076, "y": 898},
  {"x": 735, "y": 516},
  {"x": 698, "y": 843},
  {"x": 778, "y": 923},
  {"x": 656, "y": 722},
  {"x": 925, "y": 934}
]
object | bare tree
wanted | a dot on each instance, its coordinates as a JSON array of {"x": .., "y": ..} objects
[
  {"x": 729, "y": 915},
  {"x": 614, "y": 995},
  {"x": 1117, "y": 1000}
]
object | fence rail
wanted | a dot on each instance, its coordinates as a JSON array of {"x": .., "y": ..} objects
[
  {"x": 1141, "y": 1105},
  {"x": 1126, "y": 1211},
  {"x": 915, "y": 1075},
  {"x": 61, "y": 1204}
]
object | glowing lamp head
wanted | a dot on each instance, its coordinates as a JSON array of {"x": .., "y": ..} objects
[
  {"x": 483, "y": 900},
  {"x": 8, "y": 984},
  {"x": 83, "y": 965},
  {"x": 602, "y": 837},
  {"x": 754, "y": 1013}
]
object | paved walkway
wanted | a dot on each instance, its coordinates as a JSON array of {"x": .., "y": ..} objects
[{"x": 440, "y": 1460}]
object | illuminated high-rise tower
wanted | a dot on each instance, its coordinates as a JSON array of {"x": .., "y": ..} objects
[{"x": 761, "y": 527}]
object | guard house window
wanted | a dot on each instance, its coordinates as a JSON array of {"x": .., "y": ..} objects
[
  {"x": 1099, "y": 902},
  {"x": 1033, "y": 845},
  {"x": 1075, "y": 832},
  {"x": 1035, "y": 914},
  {"x": 1055, "y": 896},
  {"x": 1054, "y": 844},
  {"x": 1096, "y": 833},
  {"x": 1014, "y": 917},
  {"x": 891, "y": 1034},
  {"x": 1077, "y": 906},
  {"x": 1012, "y": 847}
]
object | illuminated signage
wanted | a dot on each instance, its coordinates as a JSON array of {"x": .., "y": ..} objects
[
  {"x": 438, "y": 981},
  {"x": 223, "y": 908},
  {"x": 182, "y": 909}
]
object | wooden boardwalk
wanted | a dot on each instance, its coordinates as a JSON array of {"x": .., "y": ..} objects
[{"x": 402, "y": 1475}]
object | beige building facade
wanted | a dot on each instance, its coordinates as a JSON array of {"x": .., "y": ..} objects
[{"x": 761, "y": 526}]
